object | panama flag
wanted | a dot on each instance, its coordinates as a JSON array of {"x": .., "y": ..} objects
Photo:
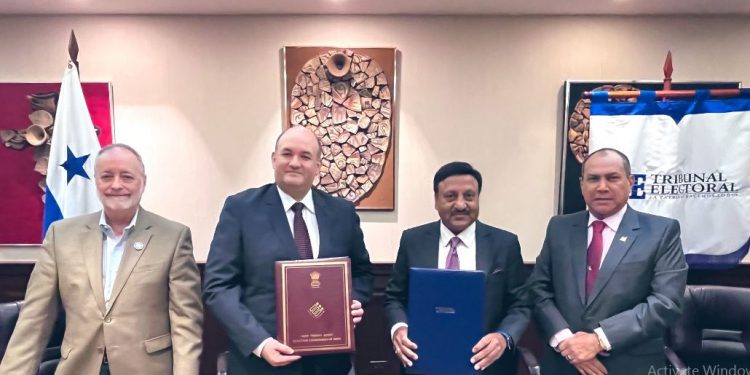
[
  {"x": 691, "y": 162},
  {"x": 71, "y": 190}
]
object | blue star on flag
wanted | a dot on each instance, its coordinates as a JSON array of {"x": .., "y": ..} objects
[{"x": 74, "y": 165}]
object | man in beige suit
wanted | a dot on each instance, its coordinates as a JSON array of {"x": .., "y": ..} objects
[{"x": 126, "y": 279}]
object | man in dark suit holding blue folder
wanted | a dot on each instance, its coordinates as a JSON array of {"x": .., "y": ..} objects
[{"x": 459, "y": 241}]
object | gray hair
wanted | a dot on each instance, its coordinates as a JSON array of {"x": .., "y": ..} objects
[{"x": 121, "y": 146}]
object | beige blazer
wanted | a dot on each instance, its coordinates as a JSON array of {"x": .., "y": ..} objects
[{"x": 154, "y": 323}]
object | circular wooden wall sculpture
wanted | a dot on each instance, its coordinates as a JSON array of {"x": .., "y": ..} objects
[{"x": 345, "y": 99}]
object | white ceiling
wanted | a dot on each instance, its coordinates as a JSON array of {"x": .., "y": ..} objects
[{"x": 379, "y": 7}]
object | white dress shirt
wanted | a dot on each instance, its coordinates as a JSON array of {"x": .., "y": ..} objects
[
  {"x": 308, "y": 214},
  {"x": 112, "y": 249},
  {"x": 467, "y": 253},
  {"x": 608, "y": 235},
  {"x": 466, "y": 249}
]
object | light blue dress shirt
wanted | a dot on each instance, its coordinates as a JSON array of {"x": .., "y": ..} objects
[{"x": 112, "y": 249}]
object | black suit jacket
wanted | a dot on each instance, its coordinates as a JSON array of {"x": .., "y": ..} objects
[
  {"x": 638, "y": 292},
  {"x": 239, "y": 287},
  {"x": 498, "y": 255}
]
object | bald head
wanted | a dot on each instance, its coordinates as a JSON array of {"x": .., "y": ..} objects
[{"x": 300, "y": 131}]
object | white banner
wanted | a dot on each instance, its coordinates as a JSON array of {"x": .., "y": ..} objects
[{"x": 691, "y": 162}]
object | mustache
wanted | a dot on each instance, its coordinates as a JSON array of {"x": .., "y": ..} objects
[{"x": 460, "y": 211}]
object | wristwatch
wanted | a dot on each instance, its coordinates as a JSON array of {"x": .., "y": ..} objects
[{"x": 509, "y": 340}]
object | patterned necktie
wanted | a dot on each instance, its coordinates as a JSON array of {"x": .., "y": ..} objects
[
  {"x": 301, "y": 237},
  {"x": 594, "y": 255},
  {"x": 451, "y": 261}
]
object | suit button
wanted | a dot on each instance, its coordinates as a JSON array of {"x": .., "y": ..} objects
[{"x": 108, "y": 320}]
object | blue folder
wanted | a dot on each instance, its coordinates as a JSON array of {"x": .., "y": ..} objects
[{"x": 446, "y": 319}]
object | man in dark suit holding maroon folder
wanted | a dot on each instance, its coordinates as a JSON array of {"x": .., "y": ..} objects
[
  {"x": 459, "y": 241},
  {"x": 283, "y": 221}
]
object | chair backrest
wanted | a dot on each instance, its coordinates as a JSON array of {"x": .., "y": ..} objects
[
  {"x": 9, "y": 312},
  {"x": 714, "y": 328},
  {"x": 8, "y": 318},
  {"x": 51, "y": 355}
]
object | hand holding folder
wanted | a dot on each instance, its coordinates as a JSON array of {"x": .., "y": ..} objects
[
  {"x": 404, "y": 347},
  {"x": 445, "y": 317}
]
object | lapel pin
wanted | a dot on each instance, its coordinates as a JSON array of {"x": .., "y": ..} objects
[
  {"x": 138, "y": 245},
  {"x": 623, "y": 238}
]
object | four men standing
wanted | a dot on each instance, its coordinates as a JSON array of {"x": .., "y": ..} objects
[{"x": 606, "y": 284}]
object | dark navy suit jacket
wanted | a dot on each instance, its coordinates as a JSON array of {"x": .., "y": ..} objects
[
  {"x": 239, "y": 287},
  {"x": 498, "y": 254}
]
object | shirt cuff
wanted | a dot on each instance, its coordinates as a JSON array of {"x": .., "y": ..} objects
[
  {"x": 508, "y": 340},
  {"x": 560, "y": 337},
  {"x": 397, "y": 326},
  {"x": 602, "y": 338},
  {"x": 259, "y": 349}
]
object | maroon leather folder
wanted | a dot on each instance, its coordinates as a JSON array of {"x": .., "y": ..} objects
[{"x": 313, "y": 303}]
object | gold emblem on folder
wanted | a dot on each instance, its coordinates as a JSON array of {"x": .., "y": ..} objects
[
  {"x": 315, "y": 279},
  {"x": 317, "y": 310}
]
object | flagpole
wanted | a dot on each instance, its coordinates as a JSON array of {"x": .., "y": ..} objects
[
  {"x": 667, "y": 92},
  {"x": 716, "y": 93}
]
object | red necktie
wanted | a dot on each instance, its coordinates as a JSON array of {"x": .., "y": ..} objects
[
  {"x": 594, "y": 255},
  {"x": 301, "y": 237}
]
